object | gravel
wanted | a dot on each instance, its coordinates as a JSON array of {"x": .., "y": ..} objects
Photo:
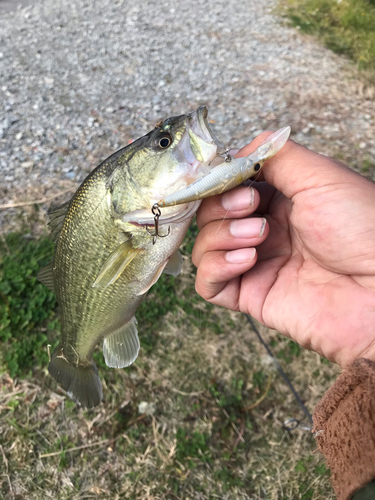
[{"x": 79, "y": 80}]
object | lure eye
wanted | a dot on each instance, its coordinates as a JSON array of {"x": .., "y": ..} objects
[{"x": 164, "y": 142}]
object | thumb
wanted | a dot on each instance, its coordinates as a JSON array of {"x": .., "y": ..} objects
[{"x": 295, "y": 168}]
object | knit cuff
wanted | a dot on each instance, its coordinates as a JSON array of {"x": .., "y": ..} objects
[{"x": 344, "y": 423}]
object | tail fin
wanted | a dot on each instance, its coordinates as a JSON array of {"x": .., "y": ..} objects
[{"x": 82, "y": 383}]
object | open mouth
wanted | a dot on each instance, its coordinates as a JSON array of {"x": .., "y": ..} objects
[
  {"x": 197, "y": 147},
  {"x": 201, "y": 128},
  {"x": 203, "y": 143}
]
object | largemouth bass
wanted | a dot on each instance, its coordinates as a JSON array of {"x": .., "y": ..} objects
[{"x": 111, "y": 248}]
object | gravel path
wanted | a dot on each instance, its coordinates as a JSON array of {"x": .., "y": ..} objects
[{"x": 80, "y": 79}]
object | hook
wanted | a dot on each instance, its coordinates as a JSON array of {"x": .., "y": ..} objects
[
  {"x": 225, "y": 154},
  {"x": 157, "y": 213}
]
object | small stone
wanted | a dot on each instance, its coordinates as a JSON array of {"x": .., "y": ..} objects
[
  {"x": 71, "y": 175},
  {"x": 13, "y": 119},
  {"x": 6, "y": 124},
  {"x": 145, "y": 408},
  {"x": 27, "y": 164}
]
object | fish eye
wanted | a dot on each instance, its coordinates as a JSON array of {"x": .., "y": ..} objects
[{"x": 165, "y": 141}]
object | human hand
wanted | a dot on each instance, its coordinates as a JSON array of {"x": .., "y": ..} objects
[{"x": 312, "y": 274}]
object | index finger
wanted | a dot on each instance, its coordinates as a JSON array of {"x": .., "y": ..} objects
[{"x": 235, "y": 204}]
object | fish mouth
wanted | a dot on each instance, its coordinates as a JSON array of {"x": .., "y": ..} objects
[
  {"x": 199, "y": 141},
  {"x": 194, "y": 153},
  {"x": 200, "y": 127}
]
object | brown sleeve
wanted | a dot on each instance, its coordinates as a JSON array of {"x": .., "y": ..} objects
[{"x": 344, "y": 423}]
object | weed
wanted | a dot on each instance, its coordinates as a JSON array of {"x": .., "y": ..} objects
[
  {"x": 291, "y": 351},
  {"x": 229, "y": 478},
  {"x": 27, "y": 308},
  {"x": 258, "y": 378},
  {"x": 300, "y": 467},
  {"x": 322, "y": 470},
  {"x": 192, "y": 447},
  {"x": 346, "y": 27},
  {"x": 367, "y": 165}
]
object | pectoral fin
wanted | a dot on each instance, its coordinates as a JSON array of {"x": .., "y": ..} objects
[
  {"x": 115, "y": 264},
  {"x": 174, "y": 264},
  {"x": 121, "y": 347},
  {"x": 171, "y": 266},
  {"x": 45, "y": 276},
  {"x": 155, "y": 278}
]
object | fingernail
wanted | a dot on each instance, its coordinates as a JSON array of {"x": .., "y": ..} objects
[
  {"x": 248, "y": 228},
  {"x": 240, "y": 199},
  {"x": 240, "y": 256}
]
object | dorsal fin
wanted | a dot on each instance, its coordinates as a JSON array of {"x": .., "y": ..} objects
[
  {"x": 45, "y": 276},
  {"x": 56, "y": 218}
]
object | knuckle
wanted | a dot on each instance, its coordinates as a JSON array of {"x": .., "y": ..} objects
[{"x": 200, "y": 287}]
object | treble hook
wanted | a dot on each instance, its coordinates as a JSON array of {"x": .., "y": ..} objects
[
  {"x": 225, "y": 154},
  {"x": 156, "y": 213}
]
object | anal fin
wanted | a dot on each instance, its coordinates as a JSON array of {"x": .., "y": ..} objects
[{"x": 121, "y": 347}]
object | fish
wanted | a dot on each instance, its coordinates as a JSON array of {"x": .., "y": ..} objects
[{"x": 112, "y": 243}]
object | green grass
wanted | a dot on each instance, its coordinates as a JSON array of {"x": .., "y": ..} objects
[
  {"x": 213, "y": 434},
  {"x": 27, "y": 308},
  {"x": 346, "y": 27}
]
